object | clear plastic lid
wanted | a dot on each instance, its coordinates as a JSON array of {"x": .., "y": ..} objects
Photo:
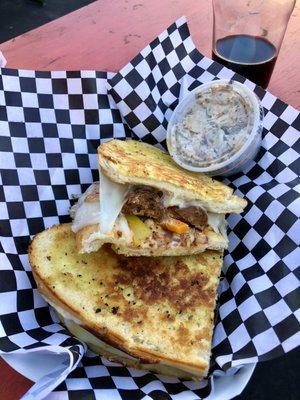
[{"x": 214, "y": 125}]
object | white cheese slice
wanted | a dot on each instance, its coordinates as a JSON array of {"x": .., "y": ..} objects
[
  {"x": 86, "y": 213},
  {"x": 170, "y": 200},
  {"x": 218, "y": 223},
  {"x": 112, "y": 198},
  {"x": 122, "y": 225}
]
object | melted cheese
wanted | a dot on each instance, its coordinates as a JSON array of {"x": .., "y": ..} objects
[
  {"x": 218, "y": 223},
  {"x": 90, "y": 213},
  {"x": 122, "y": 225},
  {"x": 112, "y": 198},
  {"x": 86, "y": 213},
  {"x": 170, "y": 200}
]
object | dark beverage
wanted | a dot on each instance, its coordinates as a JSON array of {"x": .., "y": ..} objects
[{"x": 251, "y": 56}]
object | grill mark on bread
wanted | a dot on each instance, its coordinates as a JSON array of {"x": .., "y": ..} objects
[
  {"x": 202, "y": 334},
  {"x": 182, "y": 335},
  {"x": 155, "y": 282},
  {"x": 135, "y": 315}
]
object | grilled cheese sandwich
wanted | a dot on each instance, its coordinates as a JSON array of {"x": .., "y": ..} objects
[
  {"x": 146, "y": 205},
  {"x": 154, "y": 313}
]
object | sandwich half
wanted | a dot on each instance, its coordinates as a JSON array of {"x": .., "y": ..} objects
[
  {"x": 145, "y": 205},
  {"x": 154, "y": 313}
]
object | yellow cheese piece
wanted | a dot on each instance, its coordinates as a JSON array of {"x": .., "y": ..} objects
[
  {"x": 139, "y": 229},
  {"x": 174, "y": 225}
]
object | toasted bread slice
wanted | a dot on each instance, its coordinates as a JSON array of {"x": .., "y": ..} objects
[
  {"x": 154, "y": 313},
  {"x": 139, "y": 163}
]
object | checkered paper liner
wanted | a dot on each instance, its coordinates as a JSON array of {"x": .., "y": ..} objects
[{"x": 51, "y": 124}]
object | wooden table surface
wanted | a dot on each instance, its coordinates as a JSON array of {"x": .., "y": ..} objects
[{"x": 104, "y": 36}]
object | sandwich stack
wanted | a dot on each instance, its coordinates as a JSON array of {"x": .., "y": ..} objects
[{"x": 136, "y": 278}]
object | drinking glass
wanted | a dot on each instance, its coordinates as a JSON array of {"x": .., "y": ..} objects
[{"x": 247, "y": 35}]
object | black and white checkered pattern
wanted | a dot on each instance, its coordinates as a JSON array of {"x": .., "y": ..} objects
[{"x": 50, "y": 127}]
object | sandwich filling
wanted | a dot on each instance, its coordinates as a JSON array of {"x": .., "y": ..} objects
[{"x": 143, "y": 216}]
